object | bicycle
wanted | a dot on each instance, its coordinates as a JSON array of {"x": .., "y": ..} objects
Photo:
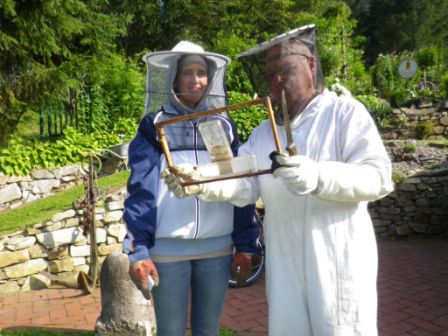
[{"x": 258, "y": 260}]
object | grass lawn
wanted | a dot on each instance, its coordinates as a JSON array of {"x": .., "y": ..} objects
[{"x": 42, "y": 209}]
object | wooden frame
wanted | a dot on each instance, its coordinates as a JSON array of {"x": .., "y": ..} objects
[{"x": 166, "y": 151}]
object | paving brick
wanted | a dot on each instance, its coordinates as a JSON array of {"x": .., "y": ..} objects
[
  {"x": 421, "y": 313},
  {"x": 425, "y": 325},
  {"x": 423, "y": 332},
  {"x": 400, "y": 328},
  {"x": 395, "y": 317},
  {"x": 412, "y": 298}
]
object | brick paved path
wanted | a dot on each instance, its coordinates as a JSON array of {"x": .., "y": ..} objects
[{"x": 412, "y": 286}]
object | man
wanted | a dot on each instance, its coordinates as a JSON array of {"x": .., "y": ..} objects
[{"x": 320, "y": 244}]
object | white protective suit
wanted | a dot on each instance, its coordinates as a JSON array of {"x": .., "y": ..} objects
[{"x": 321, "y": 249}]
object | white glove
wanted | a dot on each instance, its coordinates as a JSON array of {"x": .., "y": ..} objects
[
  {"x": 186, "y": 173},
  {"x": 300, "y": 173}
]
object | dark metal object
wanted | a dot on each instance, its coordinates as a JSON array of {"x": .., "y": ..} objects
[
  {"x": 290, "y": 146},
  {"x": 88, "y": 281}
]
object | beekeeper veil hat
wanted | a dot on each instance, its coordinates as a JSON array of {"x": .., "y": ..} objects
[
  {"x": 161, "y": 73},
  {"x": 299, "y": 41}
]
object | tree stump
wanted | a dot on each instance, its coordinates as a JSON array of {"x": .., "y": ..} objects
[{"x": 124, "y": 310}]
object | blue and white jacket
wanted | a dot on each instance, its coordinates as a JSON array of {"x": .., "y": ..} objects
[{"x": 158, "y": 222}]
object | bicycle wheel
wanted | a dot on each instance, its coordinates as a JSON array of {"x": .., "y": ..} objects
[{"x": 257, "y": 260}]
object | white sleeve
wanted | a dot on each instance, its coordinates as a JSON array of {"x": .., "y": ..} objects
[
  {"x": 240, "y": 191},
  {"x": 345, "y": 182},
  {"x": 364, "y": 172}
]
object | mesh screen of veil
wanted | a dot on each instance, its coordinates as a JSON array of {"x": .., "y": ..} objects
[
  {"x": 253, "y": 60},
  {"x": 159, "y": 84}
]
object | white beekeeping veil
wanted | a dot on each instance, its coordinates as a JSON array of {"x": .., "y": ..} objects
[
  {"x": 160, "y": 76},
  {"x": 299, "y": 41}
]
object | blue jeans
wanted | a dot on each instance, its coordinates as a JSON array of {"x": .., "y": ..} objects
[{"x": 207, "y": 279}]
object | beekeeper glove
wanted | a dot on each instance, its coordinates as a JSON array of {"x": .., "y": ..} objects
[
  {"x": 241, "y": 267},
  {"x": 300, "y": 174},
  {"x": 142, "y": 271},
  {"x": 175, "y": 176}
]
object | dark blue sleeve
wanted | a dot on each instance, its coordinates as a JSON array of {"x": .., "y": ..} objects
[
  {"x": 143, "y": 186},
  {"x": 245, "y": 229}
]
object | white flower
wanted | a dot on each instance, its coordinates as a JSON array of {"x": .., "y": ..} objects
[{"x": 340, "y": 90}]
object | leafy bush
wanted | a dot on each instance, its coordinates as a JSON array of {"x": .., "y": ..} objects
[
  {"x": 230, "y": 45},
  {"x": 427, "y": 56},
  {"x": 382, "y": 113},
  {"x": 125, "y": 128},
  {"x": 409, "y": 147},
  {"x": 390, "y": 85},
  {"x": 247, "y": 118},
  {"x": 444, "y": 85},
  {"x": 22, "y": 156},
  {"x": 398, "y": 176},
  {"x": 116, "y": 91},
  {"x": 424, "y": 129},
  {"x": 123, "y": 88}
]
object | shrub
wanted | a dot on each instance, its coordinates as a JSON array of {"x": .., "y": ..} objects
[
  {"x": 125, "y": 128},
  {"x": 424, "y": 129},
  {"x": 248, "y": 118},
  {"x": 22, "y": 156},
  {"x": 382, "y": 113},
  {"x": 409, "y": 148},
  {"x": 444, "y": 85},
  {"x": 398, "y": 176}
]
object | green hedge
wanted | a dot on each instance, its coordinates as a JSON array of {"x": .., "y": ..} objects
[{"x": 247, "y": 118}]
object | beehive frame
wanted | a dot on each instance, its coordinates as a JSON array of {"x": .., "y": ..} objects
[{"x": 266, "y": 102}]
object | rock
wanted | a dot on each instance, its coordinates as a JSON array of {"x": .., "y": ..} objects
[
  {"x": 11, "y": 258},
  {"x": 124, "y": 310},
  {"x": 9, "y": 193}
]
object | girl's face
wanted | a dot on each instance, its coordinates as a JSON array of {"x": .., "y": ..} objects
[{"x": 191, "y": 84}]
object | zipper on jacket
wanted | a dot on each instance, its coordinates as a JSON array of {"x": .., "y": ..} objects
[{"x": 195, "y": 143}]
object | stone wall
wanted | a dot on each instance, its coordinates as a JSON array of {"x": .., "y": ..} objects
[
  {"x": 17, "y": 190},
  {"x": 415, "y": 116},
  {"x": 417, "y": 206},
  {"x": 56, "y": 251}
]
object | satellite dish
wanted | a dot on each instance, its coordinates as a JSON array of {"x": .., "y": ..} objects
[{"x": 407, "y": 68}]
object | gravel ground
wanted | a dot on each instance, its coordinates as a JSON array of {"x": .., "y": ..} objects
[{"x": 411, "y": 156}]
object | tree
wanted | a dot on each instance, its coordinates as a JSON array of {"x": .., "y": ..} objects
[
  {"x": 339, "y": 49},
  {"x": 396, "y": 26},
  {"x": 46, "y": 48}
]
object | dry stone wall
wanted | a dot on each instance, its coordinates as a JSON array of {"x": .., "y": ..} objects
[
  {"x": 56, "y": 251},
  {"x": 418, "y": 205},
  {"x": 18, "y": 190},
  {"x": 416, "y": 116}
]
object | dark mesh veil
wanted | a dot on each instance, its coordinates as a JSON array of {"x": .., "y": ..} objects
[{"x": 253, "y": 60}]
